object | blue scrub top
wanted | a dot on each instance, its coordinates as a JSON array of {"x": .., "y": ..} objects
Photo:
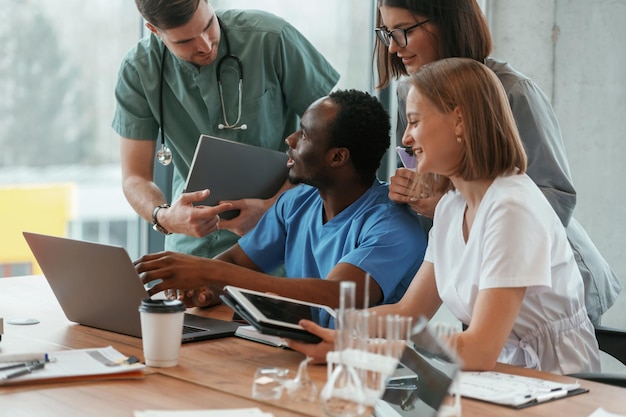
[{"x": 373, "y": 234}]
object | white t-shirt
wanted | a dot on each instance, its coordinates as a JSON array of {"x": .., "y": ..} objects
[{"x": 516, "y": 240}]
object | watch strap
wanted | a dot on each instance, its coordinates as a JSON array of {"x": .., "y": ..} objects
[{"x": 155, "y": 223}]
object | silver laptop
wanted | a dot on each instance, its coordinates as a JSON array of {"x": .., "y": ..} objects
[
  {"x": 233, "y": 170},
  {"x": 97, "y": 286}
]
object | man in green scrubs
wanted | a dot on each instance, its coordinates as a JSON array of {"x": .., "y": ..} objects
[{"x": 169, "y": 80}]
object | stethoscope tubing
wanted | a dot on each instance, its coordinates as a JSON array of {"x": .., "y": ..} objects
[{"x": 164, "y": 154}]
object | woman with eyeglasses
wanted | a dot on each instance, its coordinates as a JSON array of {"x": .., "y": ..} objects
[{"x": 412, "y": 33}]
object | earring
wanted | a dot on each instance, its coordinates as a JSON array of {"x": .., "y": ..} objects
[{"x": 459, "y": 139}]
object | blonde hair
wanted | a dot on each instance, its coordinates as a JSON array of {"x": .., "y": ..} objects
[{"x": 491, "y": 143}]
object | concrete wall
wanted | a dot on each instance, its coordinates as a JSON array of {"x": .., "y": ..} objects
[{"x": 574, "y": 50}]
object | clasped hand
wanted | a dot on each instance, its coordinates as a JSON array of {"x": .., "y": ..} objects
[
  {"x": 198, "y": 220},
  {"x": 250, "y": 211},
  {"x": 192, "y": 220},
  {"x": 402, "y": 190}
]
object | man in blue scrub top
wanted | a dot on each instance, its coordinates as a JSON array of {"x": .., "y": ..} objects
[
  {"x": 338, "y": 225},
  {"x": 169, "y": 80}
]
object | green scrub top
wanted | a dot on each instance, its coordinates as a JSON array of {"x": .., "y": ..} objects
[{"x": 283, "y": 74}]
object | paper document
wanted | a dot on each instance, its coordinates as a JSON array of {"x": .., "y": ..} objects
[
  {"x": 514, "y": 390},
  {"x": 251, "y": 333},
  {"x": 601, "y": 412},
  {"x": 80, "y": 364}
]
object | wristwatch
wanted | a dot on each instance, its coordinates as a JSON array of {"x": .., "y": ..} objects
[{"x": 155, "y": 223}]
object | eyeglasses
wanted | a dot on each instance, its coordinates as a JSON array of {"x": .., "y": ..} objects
[{"x": 398, "y": 35}]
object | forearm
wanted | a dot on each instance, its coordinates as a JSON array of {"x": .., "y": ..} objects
[
  {"x": 420, "y": 299},
  {"x": 137, "y": 163},
  {"x": 408, "y": 309},
  {"x": 142, "y": 195},
  {"x": 475, "y": 353},
  {"x": 493, "y": 318}
]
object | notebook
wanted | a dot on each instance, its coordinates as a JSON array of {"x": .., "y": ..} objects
[
  {"x": 234, "y": 170},
  {"x": 97, "y": 286}
]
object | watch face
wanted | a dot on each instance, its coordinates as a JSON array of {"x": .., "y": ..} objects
[{"x": 157, "y": 227}]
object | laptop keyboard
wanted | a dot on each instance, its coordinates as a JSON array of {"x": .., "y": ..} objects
[{"x": 190, "y": 329}]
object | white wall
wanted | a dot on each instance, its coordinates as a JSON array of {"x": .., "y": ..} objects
[{"x": 574, "y": 50}]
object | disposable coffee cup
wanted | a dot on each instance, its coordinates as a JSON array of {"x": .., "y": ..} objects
[{"x": 161, "y": 331}]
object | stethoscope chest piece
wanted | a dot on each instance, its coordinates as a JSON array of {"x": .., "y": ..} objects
[{"x": 164, "y": 155}]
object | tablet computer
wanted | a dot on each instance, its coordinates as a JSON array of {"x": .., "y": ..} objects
[
  {"x": 233, "y": 170},
  {"x": 272, "y": 314}
]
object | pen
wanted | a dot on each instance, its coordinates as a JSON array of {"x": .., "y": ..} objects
[
  {"x": 17, "y": 365},
  {"x": 25, "y": 370},
  {"x": 552, "y": 395}
]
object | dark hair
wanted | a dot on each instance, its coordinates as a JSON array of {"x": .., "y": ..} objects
[
  {"x": 167, "y": 14},
  {"x": 461, "y": 30},
  {"x": 362, "y": 126}
]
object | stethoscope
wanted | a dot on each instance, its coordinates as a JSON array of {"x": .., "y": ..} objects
[{"x": 164, "y": 154}]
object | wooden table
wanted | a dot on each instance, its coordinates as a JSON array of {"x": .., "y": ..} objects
[{"x": 214, "y": 374}]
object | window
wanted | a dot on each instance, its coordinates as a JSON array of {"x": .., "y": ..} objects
[
  {"x": 59, "y": 165},
  {"x": 16, "y": 269},
  {"x": 341, "y": 30}
]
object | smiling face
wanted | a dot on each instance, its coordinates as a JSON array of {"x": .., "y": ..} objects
[
  {"x": 432, "y": 134},
  {"x": 196, "y": 41},
  {"x": 309, "y": 152},
  {"x": 420, "y": 48}
]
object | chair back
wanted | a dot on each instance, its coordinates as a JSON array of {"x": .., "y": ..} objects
[{"x": 612, "y": 341}]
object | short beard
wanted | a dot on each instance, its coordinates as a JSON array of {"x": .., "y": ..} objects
[{"x": 295, "y": 180}]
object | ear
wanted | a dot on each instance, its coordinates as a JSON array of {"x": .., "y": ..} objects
[
  {"x": 152, "y": 29},
  {"x": 459, "y": 120},
  {"x": 339, "y": 156}
]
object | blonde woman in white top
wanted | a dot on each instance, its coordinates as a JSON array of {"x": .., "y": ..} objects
[{"x": 498, "y": 256}]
